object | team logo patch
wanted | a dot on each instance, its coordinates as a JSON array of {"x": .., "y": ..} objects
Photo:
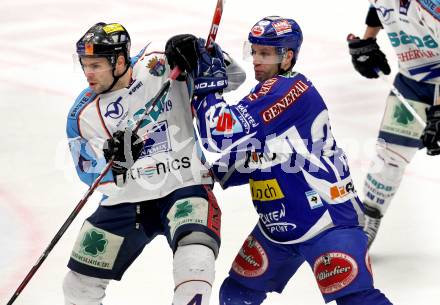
[
  {"x": 114, "y": 110},
  {"x": 399, "y": 121},
  {"x": 402, "y": 116},
  {"x": 227, "y": 123},
  {"x": 89, "y": 48},
  {"x": 97, "y": 248},
  {"x": 193, "y": 210},
  {"x": 334, "y": 271},
  {"x": 282, "y": 27},
  {"x": 252, "y": 260},
  {"x": 156, "y": 66},
  {"x": 158, "y": 140},
  {"x": 257, "y": 30},
  {"x": 314, "y": 199},
  {"x": 385, "y": 12},
  {"x": 222, "y": 121}
]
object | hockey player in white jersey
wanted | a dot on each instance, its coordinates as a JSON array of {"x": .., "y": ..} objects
[
  {"x": 157, "y": 184},
  {"x": 412, "y": 27}
]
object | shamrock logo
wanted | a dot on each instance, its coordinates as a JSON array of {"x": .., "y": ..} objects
[
  {"x": 402, "y": 115},
  {"x": 183, "y": 209},
  {"x": 94, "y": 243}
]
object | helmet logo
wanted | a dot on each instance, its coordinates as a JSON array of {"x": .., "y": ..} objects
[
  {"x": 257, "y": 30},
  {"x": 114, "y": 27},
  {"x": 89, "y": 48},
  {"x": 282, "y": 27}
]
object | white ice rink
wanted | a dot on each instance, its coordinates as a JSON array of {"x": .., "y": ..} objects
[{"x": 39, "y": 189}]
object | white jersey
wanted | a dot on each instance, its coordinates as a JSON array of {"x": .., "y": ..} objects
[
  {"x": 416, "y": 47},
  {"x": 169, "y": 159}
]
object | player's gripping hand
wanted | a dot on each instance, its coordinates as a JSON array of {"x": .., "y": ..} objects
[
  {"x": 367, "y": 57},
  {"x": 210, "y": 73},
  {"x": 125, "y": 147},
  {"x": 431, "y": 134},
  {"x": 180, "y": 50}
]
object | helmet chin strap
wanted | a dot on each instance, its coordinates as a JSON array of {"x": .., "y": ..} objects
[
  {"x": 115, "y": 78},
  {"x": 283, "y": 71}
]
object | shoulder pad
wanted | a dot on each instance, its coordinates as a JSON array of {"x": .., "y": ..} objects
[
  {"x": 431, "y": 7},
  {"x": 135, "y": 59},
  {"x": 85, "y": 97},
  {"x": 153, "y": 60}
]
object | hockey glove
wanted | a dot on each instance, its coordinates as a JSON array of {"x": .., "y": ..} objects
[
  {"x": 180, "y": 50},
  {"x": 366, "y": 57},
  {"x": 210, "y": 73},
  {"x": 431, "y": 134},
  {"x": 125, "y": 147}
]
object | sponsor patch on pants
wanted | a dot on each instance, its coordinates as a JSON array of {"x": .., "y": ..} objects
[
  {"x": 96, "y": 247},
  {"x": 192, "y": 210},
  {"x": 334, "y": 271},
  {"x": 399, "y": 121},
  {"x": 251, "y": 260}
]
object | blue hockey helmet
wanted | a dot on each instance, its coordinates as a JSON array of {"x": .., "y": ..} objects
[
  {"x": 105, "y": 40},
  {"x": 282, "y": 33}
]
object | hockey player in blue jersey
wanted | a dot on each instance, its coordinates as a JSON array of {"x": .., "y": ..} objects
[
  {"x": 157, "y": 184},
  {"x": 278, "y": 139},
  {"x": 413, "y": 30}
]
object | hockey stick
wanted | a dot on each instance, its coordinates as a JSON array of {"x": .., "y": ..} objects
[
  {"x": 393, "y": 89},
  {"x": 405, "y": 102},
  {"x": 212, "y": 32},
  {"x": 161, "y": 93}
]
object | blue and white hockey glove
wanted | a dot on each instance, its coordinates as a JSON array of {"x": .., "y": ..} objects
[
  {"x": 431, "y": 134},
  {"x": 210, "y": 73}
]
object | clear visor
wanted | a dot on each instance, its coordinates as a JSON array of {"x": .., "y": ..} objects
[
  {"x": 263, "y": 54},
  {"x": 90, "y": 64}
]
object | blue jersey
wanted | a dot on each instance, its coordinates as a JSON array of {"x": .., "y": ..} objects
[{"x": 278, "y": 139}]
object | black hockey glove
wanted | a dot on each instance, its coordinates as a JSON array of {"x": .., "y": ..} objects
[
  {"x": 366, "y": 57},
  {"x": 125, "y": 147},
  {"x": 431, "y": 134},
  {"x": 210, "y": 73},
  {"x": 180, "y": 50}
]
